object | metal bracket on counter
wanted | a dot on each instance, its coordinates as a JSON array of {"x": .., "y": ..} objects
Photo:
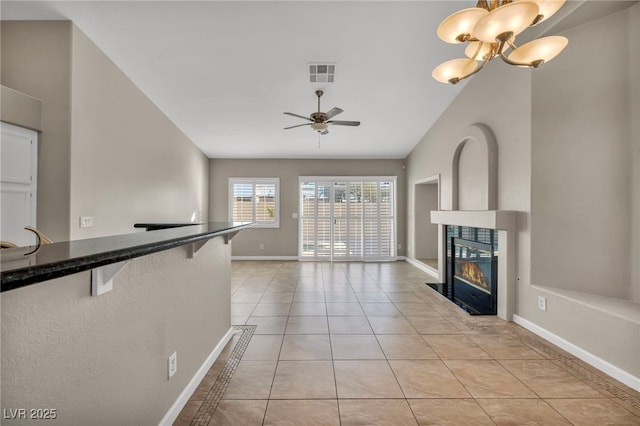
[
  {"x": 229, "y": 236},
  {"x": 195, "y": 247},
  {"x": 102, "y": 277}
]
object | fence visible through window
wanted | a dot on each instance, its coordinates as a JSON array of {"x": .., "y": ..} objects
[{"x": 254, "y": 200}]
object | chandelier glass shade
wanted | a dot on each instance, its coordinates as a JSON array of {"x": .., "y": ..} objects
[{"x": 490, "y": 28}]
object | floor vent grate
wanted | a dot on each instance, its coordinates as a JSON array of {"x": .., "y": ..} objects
[{"x": 214, "y": 395}]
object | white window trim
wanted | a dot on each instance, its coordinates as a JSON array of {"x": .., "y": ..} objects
[{"x": 254, "y": 182}]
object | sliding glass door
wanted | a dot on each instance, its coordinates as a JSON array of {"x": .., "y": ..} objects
[{"x": 347, "y": 218}]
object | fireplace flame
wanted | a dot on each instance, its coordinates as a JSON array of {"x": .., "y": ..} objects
[{"x": 472, "y": 273}]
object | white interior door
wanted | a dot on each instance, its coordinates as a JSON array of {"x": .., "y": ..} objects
[{"x": 18, "y": 174}]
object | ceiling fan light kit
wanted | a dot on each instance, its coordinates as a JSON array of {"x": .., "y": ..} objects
[
  {"x": 319, "y": 121},
  {"x": 490, "y": 28},
  {"x": 319, "y": 127}
]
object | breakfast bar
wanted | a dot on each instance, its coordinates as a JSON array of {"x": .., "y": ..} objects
[{"x": 70, "y": 342}]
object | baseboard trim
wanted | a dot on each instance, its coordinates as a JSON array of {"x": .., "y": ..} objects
[
  {"x": 264, "y": 258},
  {"x": 591, "y": 359},
  {"x": 429, "y": 270},
  {"x": 182, "y": 400}
]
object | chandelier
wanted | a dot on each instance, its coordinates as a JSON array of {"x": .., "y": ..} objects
[{"x": 490, "y": 29}]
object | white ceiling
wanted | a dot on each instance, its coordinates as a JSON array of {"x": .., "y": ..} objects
[{"x": 224, "y": 72}]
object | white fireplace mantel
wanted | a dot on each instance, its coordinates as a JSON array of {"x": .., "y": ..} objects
[
  {"x": 489, "y": 219},
  {"x": 504, "y": 221}
]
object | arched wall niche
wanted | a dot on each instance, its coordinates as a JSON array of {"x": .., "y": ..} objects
[{"x": 474, "y": 170}]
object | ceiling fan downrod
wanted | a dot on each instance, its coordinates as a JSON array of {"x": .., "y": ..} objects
[{"x": 319, "y": 94}]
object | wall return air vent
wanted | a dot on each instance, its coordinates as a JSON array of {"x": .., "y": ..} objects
[{"x": 322, "y": 73}]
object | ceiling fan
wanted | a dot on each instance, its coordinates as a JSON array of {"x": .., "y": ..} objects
[{"x": 319, "y": 121}]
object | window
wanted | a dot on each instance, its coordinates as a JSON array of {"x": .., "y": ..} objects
[{"x": 255, "y": 200}]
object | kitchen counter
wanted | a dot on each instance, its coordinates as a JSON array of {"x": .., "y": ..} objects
[{"x": 19, "y": 268}]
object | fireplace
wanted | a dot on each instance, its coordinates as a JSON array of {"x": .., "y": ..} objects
[
  {"x": 496, "y": 228},
  {"x": 471, "y": 269}
]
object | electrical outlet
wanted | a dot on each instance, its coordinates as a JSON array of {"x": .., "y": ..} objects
[
  {"x": 399, "y": 246},
  {"x": 542, "y": 303},
  {"x": 261, "y": 246},
  {"x": 86, "y": 221},
  {"x": 173, "y": 364}
]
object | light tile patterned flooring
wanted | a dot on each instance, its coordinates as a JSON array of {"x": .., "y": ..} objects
[{"x": 370, "y": 344}]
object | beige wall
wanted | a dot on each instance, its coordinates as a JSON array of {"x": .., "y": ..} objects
[
  {"x": 426, "y": 233},
  {"x": 550, "y": 123},
  {"x": 36, "y": 60},
  {"x": 20, "y": 109},
  {"x": 283, "y": 241},
  {"x": 473, "y": 193},
  {"x": 582, "y": 167},
  {"x": 489, "y": 91},
  {"x": 633, "y": 26},
  {"x": 599, "y": 148},
  {"x": 129, "y": 162},
  {"x": 105, "y": 150},
  {"x": 103, "y": 360}
]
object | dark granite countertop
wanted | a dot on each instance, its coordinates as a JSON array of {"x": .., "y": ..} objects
[
  {"x": 69, "y": 257},
  {"x": 154, "y": 226}
]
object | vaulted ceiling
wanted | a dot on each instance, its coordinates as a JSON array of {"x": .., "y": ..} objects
[{"x": 224, "y": 72}]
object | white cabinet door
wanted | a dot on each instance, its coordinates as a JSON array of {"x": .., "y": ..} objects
[{"x": 18, "y": 174}]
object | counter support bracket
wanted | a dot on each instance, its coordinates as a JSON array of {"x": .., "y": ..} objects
[
  {"x": 193, "y": 248},
  {"x": 229, "y": 236},
  {"x": 102, "y": 277}
]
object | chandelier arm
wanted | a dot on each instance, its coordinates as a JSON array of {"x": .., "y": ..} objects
[
  {"x": 504, "y": 38},
  {"x": 458, "y": 79},
  {"x": 532, "y": 64},
  {"x": 475, "y": 55}
]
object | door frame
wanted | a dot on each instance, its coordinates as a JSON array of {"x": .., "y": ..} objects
[{"x": 431, "y": 180}]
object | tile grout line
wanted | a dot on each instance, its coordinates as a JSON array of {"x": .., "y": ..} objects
[
  {"x": 464, "y": 323},
  {"x": 577, "y": 370},
  {"x": 567, "y": 364},
  {"x": 275, "y": 371},
  {"x": 333, "y": 365}
]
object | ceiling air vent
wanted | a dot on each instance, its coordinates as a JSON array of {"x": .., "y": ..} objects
[{"x": 322, "y": 73}]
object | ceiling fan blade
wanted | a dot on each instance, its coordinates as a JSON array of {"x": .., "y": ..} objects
[
  {"x": 333, "y": 112},
  {"x": 344, "y": 123},
  {"x": 298, "y": 125},
  {"x": 296, "y": 115}
]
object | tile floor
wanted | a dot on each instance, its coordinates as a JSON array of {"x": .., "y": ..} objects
[{"x": 370, "y": 344}]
